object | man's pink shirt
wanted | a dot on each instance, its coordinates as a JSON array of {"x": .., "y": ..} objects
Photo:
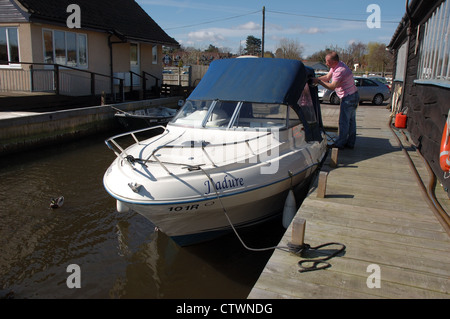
[{"x": 344, "y": 76}]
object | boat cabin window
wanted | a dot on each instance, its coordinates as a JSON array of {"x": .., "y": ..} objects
[
  {"x": 221, "y": 114},
  {"x": 306, "y": 104},
  {"x": 294, "y": 120},
  {"x": 193, "y": 113},
  {"x": 257, "y": 115},
  {"x": 234, "y": 114}
]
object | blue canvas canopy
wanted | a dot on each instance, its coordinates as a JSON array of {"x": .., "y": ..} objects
[{"x": 253, "y": 80}]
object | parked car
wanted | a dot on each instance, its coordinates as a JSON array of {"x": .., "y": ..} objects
[
  {"x": 369, "y": 89},
  {"x": 381, "y": 79},
  {"x": 326, "y": 95}
]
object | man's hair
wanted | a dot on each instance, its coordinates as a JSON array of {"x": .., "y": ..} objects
[{"x": 333, "y": 56}]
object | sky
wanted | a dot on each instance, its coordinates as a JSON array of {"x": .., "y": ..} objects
[{"x": 313, "y": 24}]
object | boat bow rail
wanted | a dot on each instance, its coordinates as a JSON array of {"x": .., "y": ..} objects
[
  {"x": 121, "y": 152},
  {"x": 115, "y": 146}
]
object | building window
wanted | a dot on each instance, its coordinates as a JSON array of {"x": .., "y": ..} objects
[
  {"x": 134, "y": 54},
  {"x": 65, "y": 48},
  {"x": 9, "y": 45},
  {"x": 434, "y": 64},
  {"x": 400, "y": 65},
  {"x": 155, "y": 54}
]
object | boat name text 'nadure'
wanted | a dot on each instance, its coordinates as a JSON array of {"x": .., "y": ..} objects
[{"x": 228, "y": 182}]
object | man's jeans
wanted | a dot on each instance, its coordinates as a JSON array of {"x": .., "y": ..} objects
[{"x": 347, "y": 121}]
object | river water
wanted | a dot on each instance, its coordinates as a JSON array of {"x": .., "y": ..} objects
[{"x": 120, "y": 255}]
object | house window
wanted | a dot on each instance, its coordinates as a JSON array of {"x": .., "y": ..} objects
[
  {"x": 155, "y": 54},
  {"x": 434, "y": 64},
  {"x": 134, "y": 54},
  {"x": 65, "y": 48},
  {"x": 400, "y": 65},
  {"x": 9, "y": 45}
]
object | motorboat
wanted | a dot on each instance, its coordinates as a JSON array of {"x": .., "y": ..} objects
[
  {"x": 249, "y": 133},
  {"x": 145, "y": 117}
]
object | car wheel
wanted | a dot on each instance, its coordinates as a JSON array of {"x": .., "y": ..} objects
[
  {"x": 378, "y": 99},
  {"x": 334, "y": 99}
]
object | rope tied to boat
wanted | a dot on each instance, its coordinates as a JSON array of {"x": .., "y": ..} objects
[
  {"x": 288, "y": 248},
  {"x": 307, "y": 251},
  {"x": 131, "y": 159},
  {"x": 228, "y": 218}
]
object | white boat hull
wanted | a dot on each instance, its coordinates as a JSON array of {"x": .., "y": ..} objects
[
  {"x": 190, "y": 204},
  {"x": 210, "y": 214}
]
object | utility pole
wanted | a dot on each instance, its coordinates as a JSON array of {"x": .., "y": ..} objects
[{"x": 263, "y": 31}]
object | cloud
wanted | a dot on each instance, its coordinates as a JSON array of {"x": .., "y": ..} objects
[
  {"x": 205, "y": 35},
  {"x": 313, "y": 30},
  {"x": 298, "y": 29},
  {"x": 248, "y": 26}
]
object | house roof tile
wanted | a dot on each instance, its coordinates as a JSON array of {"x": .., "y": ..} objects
[{"x": 123, "y": 17}]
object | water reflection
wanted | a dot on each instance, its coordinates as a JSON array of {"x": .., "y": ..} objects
[{"x": 120, "y": 254}]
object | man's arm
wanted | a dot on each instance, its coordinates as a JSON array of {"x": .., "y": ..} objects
[
  {"x": 326, "y": 77},
  {"x": 330, "y": 86}
]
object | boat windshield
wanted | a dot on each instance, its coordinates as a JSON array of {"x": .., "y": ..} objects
[{"x": 227, "y": 114}]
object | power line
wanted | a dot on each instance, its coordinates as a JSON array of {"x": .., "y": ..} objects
[
  {"x": 213, "y": 21},
  {"x": 325, "y": 18},
  {"x": 276, "y": 12}
]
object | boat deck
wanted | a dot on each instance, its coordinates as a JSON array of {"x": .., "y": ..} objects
[{"x": 374, "y": 206}]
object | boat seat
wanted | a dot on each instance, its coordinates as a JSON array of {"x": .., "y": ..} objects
[
  {"x": 255, "y": 122},
  {"x": 218, "y": 118}
]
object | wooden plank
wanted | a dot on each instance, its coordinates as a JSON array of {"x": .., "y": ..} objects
[
  {"x": 322, "y": 188},
  {"x": 334, "y": 284},
  {"x": 296, "y": 286},
  {"x": 408, "y": 219},
  {"x": 381, "y": 252},
  {"x": 374, "y": 206},
  {"x": 334, "y": 157},
  {"x": 340, "y": 231}
]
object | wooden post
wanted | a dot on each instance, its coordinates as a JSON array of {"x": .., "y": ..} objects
[
  {"x": 56, "y": 78},
  {"x": 121, "y": 91},
  {"x": 322, "y": 188},
  {"x": 31, "y": 78},
  {"x": 334, "y": 157},
  {"x": 144, "y": 84},
  {"x": 298, "y": 231},
  {"x": 263, "y": 31},
  {"x": 92, "y": 83}
]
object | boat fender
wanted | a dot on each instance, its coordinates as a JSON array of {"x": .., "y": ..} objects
[
  {"x": 121, "y": 207},
  {"x": 444, "y": 155},
  {"x": 289, "y": 209}
]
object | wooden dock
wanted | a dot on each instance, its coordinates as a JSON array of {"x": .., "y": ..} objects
[{"x": 395, "y": 245}]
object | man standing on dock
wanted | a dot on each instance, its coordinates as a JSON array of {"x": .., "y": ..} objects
[{"x": 343, "y": 84}]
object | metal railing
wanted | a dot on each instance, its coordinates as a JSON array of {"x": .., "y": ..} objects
[
  {"x": 144, "y": 82},
  {"x": 434, "y": 62},
  {"x": 65, "y": 80},
  {"x": 121, "y": 153}
]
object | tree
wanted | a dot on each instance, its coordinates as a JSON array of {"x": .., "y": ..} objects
[
  {"x": 289, "y": 49},
  {"x": 253, "y": 46},
  {"x": 319, "y": 56},
  {"x": 353, "y": 54},
  {"x": 212, "y": 48},
  {"x": 378, "y": 58}
]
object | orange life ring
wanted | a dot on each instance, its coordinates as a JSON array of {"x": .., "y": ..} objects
[{"x": 444, "y": 155}]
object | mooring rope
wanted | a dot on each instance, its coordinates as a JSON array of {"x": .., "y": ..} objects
[{"x": 299, "y": 250}]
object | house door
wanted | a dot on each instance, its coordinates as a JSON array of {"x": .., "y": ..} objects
[{"x": 134, "y": 63}]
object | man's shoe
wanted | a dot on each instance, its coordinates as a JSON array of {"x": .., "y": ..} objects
[{"x": 350, "y": 147}]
